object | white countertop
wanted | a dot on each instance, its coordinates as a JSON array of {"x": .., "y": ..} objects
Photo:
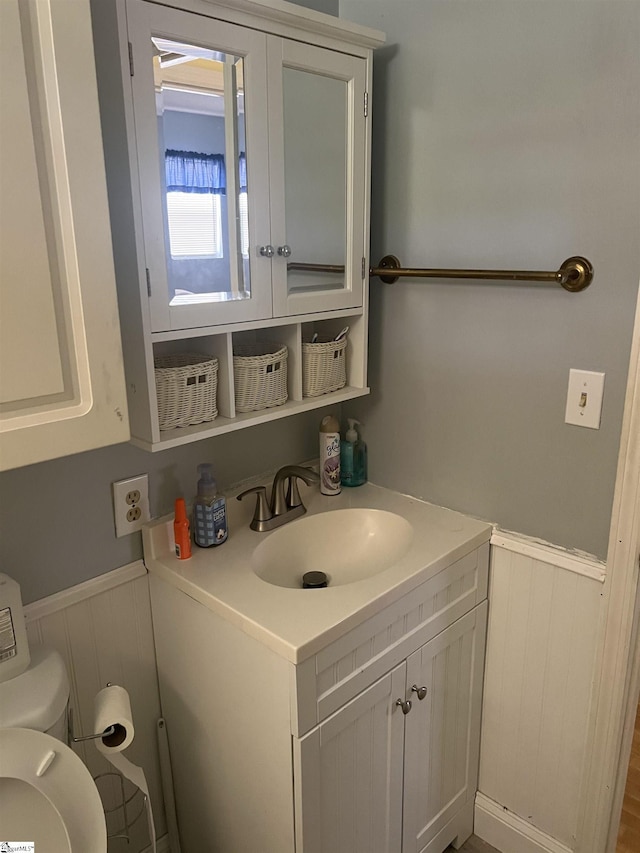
[{"x": 297, "y": 623}]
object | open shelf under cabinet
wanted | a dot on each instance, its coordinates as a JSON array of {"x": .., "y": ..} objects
[{"x": 186, "y": 435}]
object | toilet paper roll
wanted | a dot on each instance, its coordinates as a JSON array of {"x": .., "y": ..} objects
[{"x": 113, "y": 708}]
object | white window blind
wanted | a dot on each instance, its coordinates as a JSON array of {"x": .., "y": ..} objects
[
  {"x": 243, "y": 212},
  {"x": 195, "y": 225}
]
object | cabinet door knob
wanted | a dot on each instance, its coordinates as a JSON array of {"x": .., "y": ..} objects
[
  {"x": 267, "y": 251},
  {"x": 421, "y": 691},
  {"x": 405, "y": 704},
  {"x": 284, "y": 251}
]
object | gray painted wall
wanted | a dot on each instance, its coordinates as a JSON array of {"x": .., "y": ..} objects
[
  {"x": 56, "y": 518},
  {"x": 330, "y": 7},
  {"x": 505, "y": 136}
]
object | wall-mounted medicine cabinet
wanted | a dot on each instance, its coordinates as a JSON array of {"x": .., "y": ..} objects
[{"x": 237, "y": 143}]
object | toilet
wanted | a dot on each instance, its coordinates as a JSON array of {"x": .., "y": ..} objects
[{"x": 47, "y": 795}]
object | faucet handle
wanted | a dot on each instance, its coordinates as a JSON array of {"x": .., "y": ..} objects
[
  {"x": 293, "y": 494},
  {"x": 262, "y": 512},
  {"x": 281, "y": 504},
  {"x": 296, "y": 472}
]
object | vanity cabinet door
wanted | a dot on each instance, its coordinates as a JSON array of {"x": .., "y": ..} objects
[
  {"x": 442, "y": 737},
  {"x": 318, "y": 168},
  {"x": 62, "y": 385},
  {"x": 348, "y": 775},
  {"x": 200, "y": 104}
]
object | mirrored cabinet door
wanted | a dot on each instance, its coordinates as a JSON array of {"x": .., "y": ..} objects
[
  {"x": 318, "y": 161},
  {"x": 201, "y": 123}
]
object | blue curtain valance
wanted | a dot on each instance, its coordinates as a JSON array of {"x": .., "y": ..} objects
[
  {"x": 242, "y": 172},
  {"x": 192, "y": 172}
]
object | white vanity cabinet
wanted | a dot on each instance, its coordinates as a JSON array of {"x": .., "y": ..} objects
[
  {"x": 324, "y": 755},
  {"x": 62, "y": 382},
  {"x": 350, "y": 773},
  {"x": 244, "y": 133},
  {"x": 391, "y": 771}
]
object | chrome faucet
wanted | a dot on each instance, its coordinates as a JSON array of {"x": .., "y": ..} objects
[{"x": 284, "y": 506}]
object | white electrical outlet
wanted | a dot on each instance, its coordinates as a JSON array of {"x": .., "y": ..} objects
[{"x": 130, "y": 504}]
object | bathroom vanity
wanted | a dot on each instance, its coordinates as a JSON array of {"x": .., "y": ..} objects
[{"x": 336, "y": 720}]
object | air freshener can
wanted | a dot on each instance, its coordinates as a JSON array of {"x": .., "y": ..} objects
[{"x": 330, "y": 456}]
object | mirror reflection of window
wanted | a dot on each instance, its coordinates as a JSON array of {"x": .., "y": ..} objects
[
  {"x": 200, "y": 109},
  {"x": 195, "y": 225},
  {"x": 195, "y": 183},
  {"x": 243, "y": 212}
]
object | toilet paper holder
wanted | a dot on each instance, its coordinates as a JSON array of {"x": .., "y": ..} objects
[
  {"x": 74, "y": 739},
  {"x": 105, "y": 733},
  {"x": 121, "y": 802}
]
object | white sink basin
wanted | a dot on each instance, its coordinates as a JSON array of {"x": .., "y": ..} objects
[
  {"x": 348, "y": 545},
  {"x": 374, "y": 544}
]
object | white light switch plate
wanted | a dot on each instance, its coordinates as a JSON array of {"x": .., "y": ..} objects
[{"x": 584, "y": 398}]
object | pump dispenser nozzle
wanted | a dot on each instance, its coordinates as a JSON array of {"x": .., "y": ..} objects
[
  {"x": 352, "y": 434},
  {"x": 206, "y": 484}
]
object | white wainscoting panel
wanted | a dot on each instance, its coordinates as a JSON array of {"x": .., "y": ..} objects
[
  {"x": 509, "y": 833},
  {"x": 543, "y": 625},
  {"x": 103, "y": 630}
]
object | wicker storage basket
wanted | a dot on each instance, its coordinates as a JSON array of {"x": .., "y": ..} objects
[
  {"x": 186, "y": 385},
  {"x": 323, "y": 367},
  {"x": 260, "y": 376}
]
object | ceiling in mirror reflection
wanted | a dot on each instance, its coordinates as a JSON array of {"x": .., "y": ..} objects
[{"x": 190, "y": 79}]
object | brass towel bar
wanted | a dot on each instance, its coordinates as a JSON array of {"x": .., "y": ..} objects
[{"x": 574, "y": 274}]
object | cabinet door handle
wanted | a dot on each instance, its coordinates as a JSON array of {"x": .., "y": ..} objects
[
  {"x": 284, "y": 251},
  {"x": 421, "y": 691},
  {"x": 267, "y": 251},
  {"x": 405, "y": 704}
]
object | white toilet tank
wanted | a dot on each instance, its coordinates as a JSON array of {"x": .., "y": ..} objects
[
  {"x": 46, "y": 792},
  {"x": 38, "y": 697}
]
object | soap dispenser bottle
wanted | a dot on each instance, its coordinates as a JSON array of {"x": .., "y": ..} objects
[
  {"x": 353, "y": 457},
  {"x": 209, "y": 511}
]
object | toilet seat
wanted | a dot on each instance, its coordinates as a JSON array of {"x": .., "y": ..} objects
[{"x": 45, "y": 787}]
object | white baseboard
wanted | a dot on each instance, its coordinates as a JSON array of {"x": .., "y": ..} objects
[{"x": 508, "y": 832}]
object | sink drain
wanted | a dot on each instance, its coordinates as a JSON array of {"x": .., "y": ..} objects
[{"x": 314, "y": 580}]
